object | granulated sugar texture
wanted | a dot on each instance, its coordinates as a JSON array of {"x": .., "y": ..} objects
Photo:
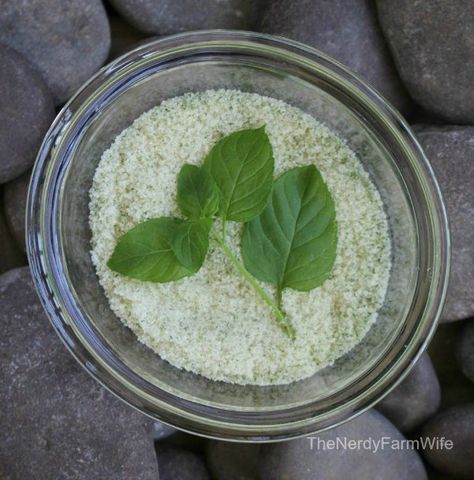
[{"x": 212, "y": 323}]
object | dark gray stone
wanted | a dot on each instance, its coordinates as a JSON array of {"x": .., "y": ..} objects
[
  {"x": 296, "y": 459},
  {"x": 451, "y": 153},
  {"x": 66, "y": 40},
  {"x": 433, "y": 46},
  {"x": 56, "y": 421},
  {"x": 466, "y": 350},
  {"x": 178, "y": 464},
  {"x": 457, "y": 425},
  {"x": 344, "y": 29},
  {"x": 165, "y": 17},
  {"x": 14, "y": 199},
  {"x": 232, "y": 461},
  {"x": 10, "y": 255},
  {"x": 26, "y": 111},
  {"x": 415, "y": 400}
]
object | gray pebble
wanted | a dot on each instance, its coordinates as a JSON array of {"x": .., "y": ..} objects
[
  {"x": 56, "y": 421},
  {"x": 433, "y": 46},
  {"x": 457, "y": 425},
  {"x": 465, "y": 353},
  {"x": 414, "y": 400},
  {"x": 14, "y": 198},
  {"x": 451, "y": 153},
  {"x": 232, "y": 461},
  {"x": 26, "y": 111},
  {"x": 10, "y": 254},
  {"x": 344, "y": 29},
  {"x": 66, "y": 40},
  {"x": 296, "y": 459},
  {"x": 172, "y": 16},
  {"x": 178, "y": 464}
]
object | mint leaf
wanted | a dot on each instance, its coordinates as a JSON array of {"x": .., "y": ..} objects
[
  {"x": 145, "y": 252},
  {"x": 289, "y": 239},
  {"x": 241, "y": 165},
  {"x": 191, "y": 243},
  {"x": 293, "y": 242},
  {"x": 198, "y": 196}
]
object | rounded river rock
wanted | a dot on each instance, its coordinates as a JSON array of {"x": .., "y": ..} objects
[
  {"x": 26, "y": 111},
  {"x": 297, "y": 460},
  {"x": 165, "y": 17},
  {"x": 344, "y": 29},
  {"x": 55, "y": 418},
  {"x": 451, "y": 153},
  {"x": 433, "y": 46},
  {"x": 415, "y": 399},
  {"x": 457, "y": 425},
  {"x": 66, "y": 40}
]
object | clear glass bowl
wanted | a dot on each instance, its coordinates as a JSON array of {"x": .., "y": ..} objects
[{"x": 59, "y": 236}]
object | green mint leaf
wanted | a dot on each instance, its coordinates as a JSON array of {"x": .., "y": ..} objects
[
  {"x": 293, "y": 242},
  {"x": 145, "y": 252},
  {"x": 191, "y": 243},
  {"x": 198, "y": 196},
  {"x": 241, "y": 165}
]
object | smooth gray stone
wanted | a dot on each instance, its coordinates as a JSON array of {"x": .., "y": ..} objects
[
  {"x": 10, "y": 254},
  {"x": 433, "y": 46},
  {"x": 415, "y": 400},
  {"x": 14, "y": 198},
  {"x": 232, "y": 461},
  {"x": 296, "y": 459},
  {"x": 66, "y": 40},
  {"x": 26, "y": 111},
  {"x": 455, "y": 424},
  {"x": 165, "y": 17},
  {"x": 346, "y": 30},
  {"x": 56, "y": 421},
  {"x": 465, "y": 353},
  {"x": 451, "y": 153},
  {"x": 178, "y": 464}
]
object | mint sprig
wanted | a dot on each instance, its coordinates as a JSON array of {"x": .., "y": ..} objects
[{"x": 290, "y": 233}]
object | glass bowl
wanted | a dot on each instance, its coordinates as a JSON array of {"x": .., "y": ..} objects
[{"x": 59, "y": 238}]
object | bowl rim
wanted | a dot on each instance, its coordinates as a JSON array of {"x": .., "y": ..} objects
[{"x": 57, "y": 307}]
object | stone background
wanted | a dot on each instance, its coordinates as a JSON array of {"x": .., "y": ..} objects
[{"x": 55, "y": 421}]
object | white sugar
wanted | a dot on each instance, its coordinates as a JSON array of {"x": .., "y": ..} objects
[{"x": 212, "y": 323}]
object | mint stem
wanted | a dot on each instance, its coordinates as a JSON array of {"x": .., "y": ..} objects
[
  {"x": 280, "y": 316},
  {"x": 224, "y": 230},
  {"x": 278, "y": 297}
]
